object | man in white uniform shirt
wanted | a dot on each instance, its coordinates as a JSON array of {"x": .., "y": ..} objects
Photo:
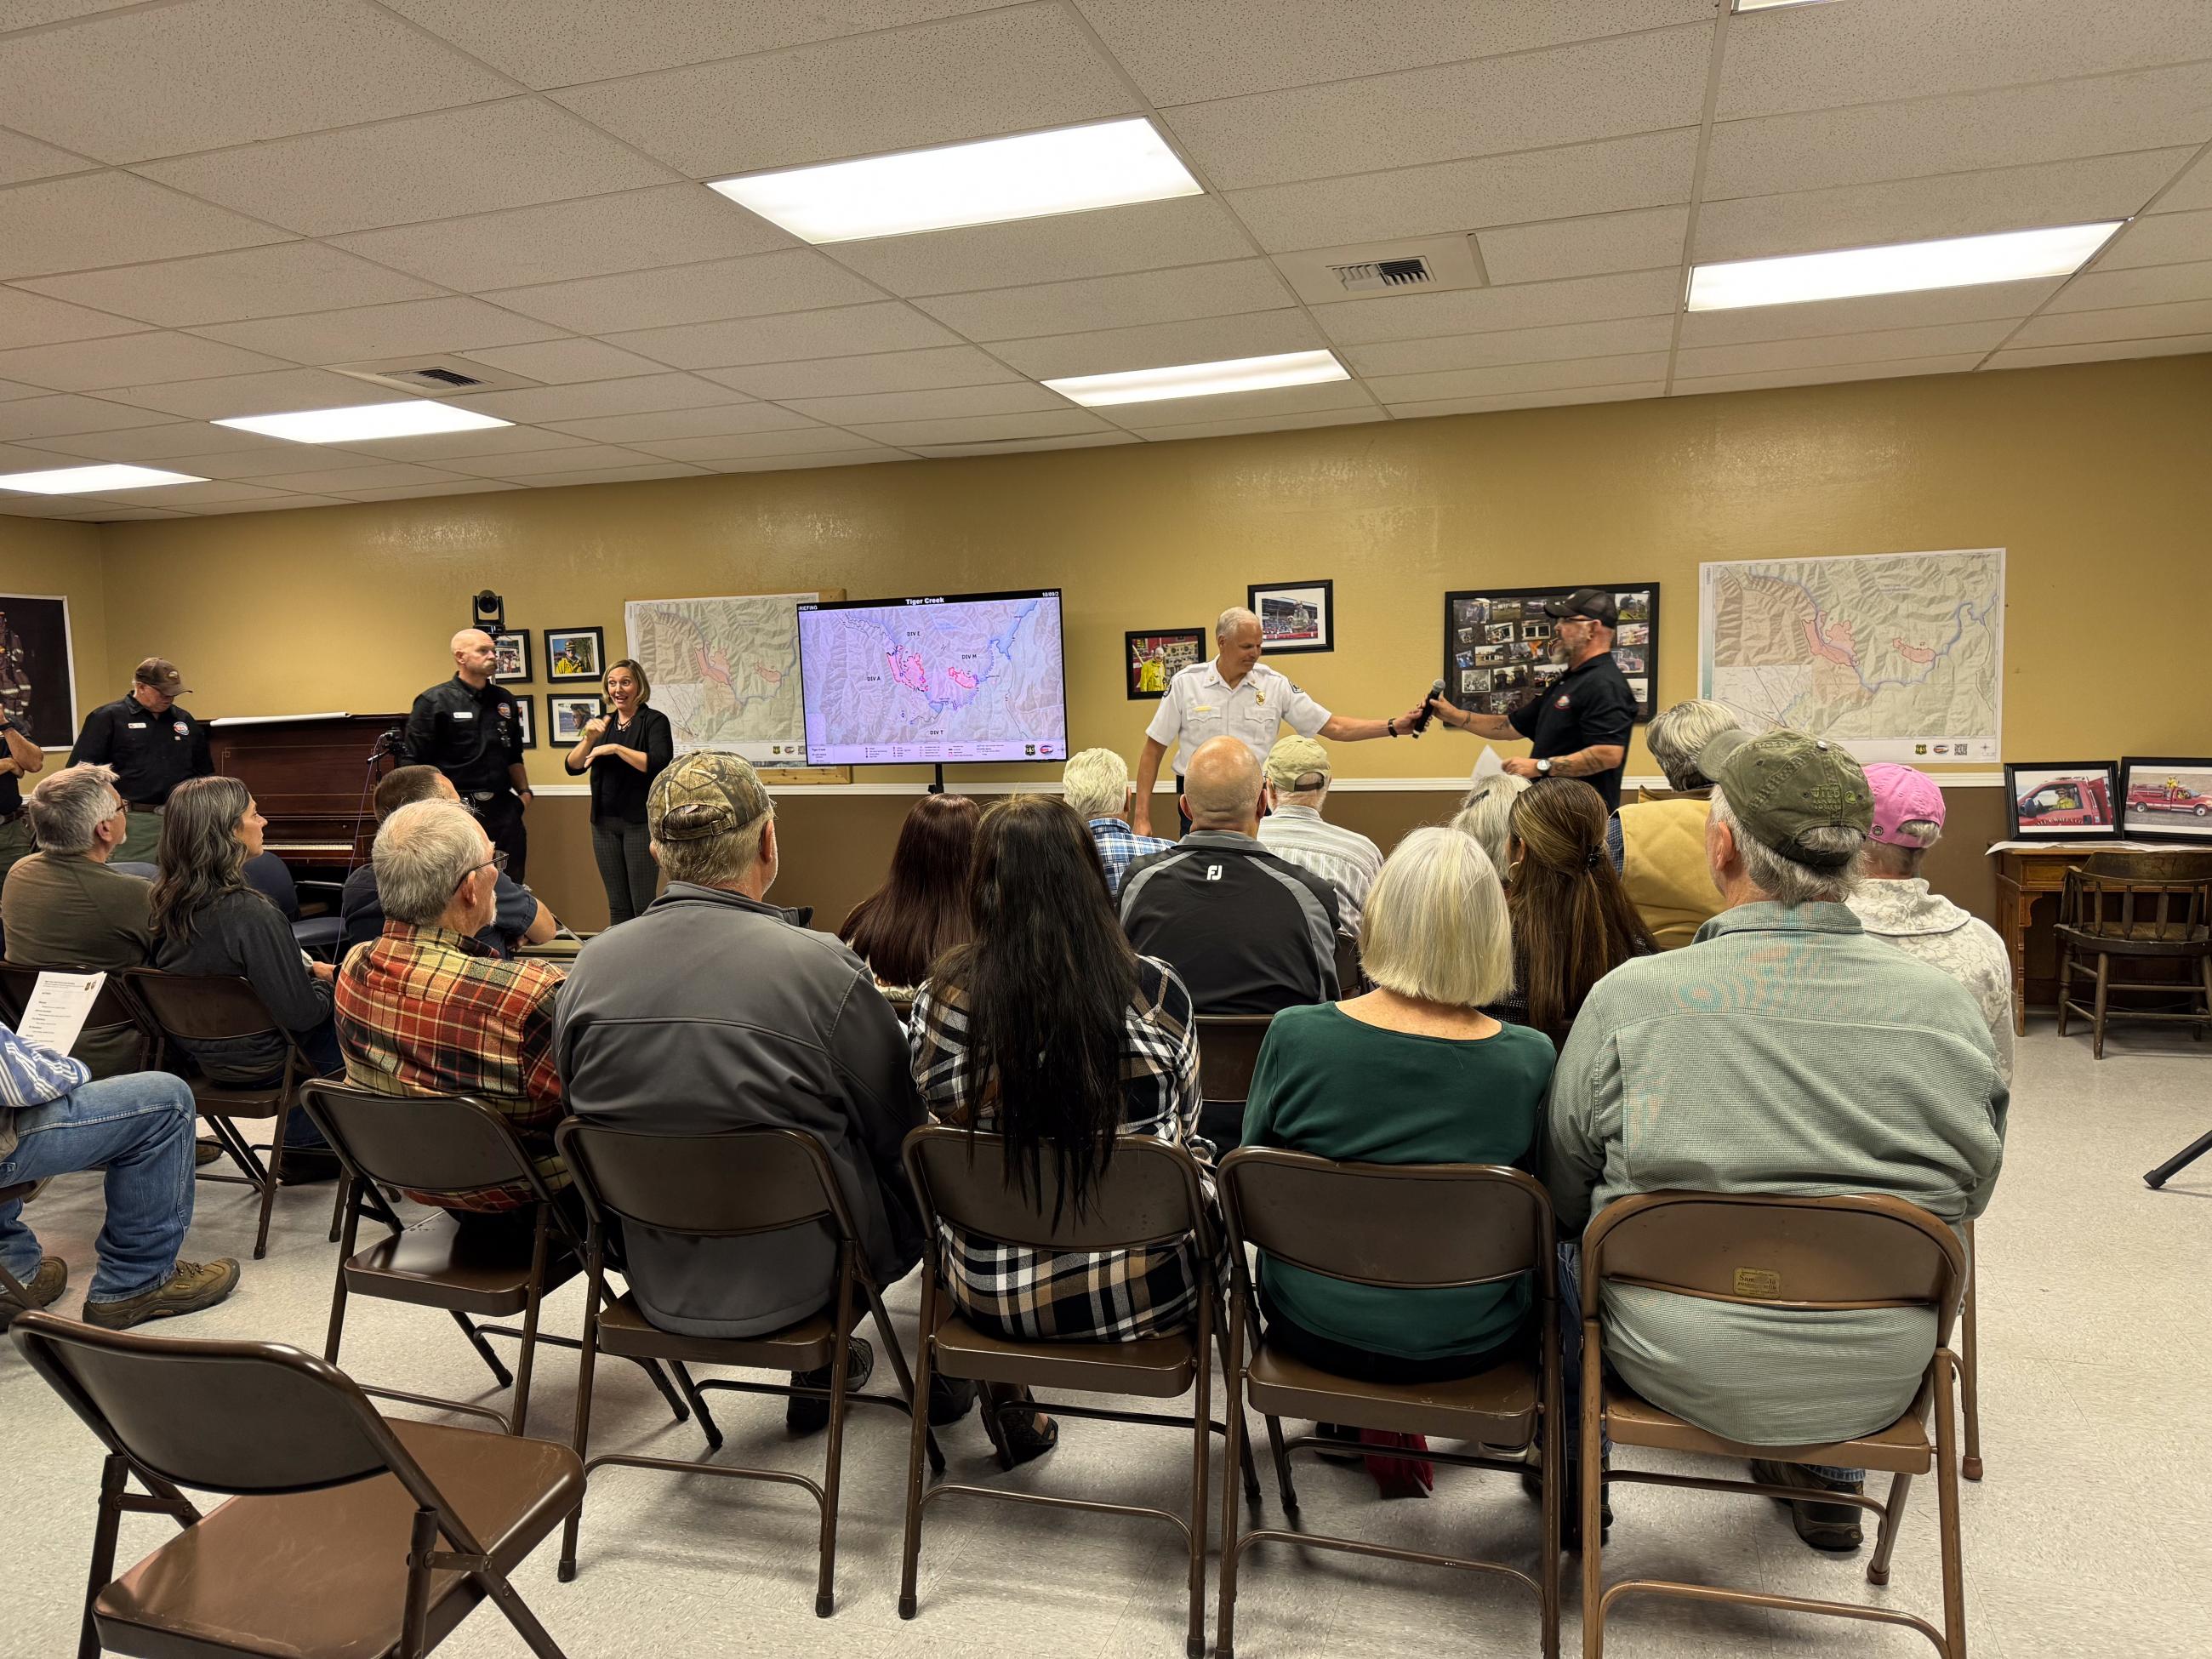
[
  {"x": 1235, "y": 694},
  {"x": 1298, "y": 770}
]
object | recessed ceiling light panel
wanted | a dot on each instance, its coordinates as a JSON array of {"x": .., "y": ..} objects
[
  {"x": 364, "y": 422},
  {"x": 2011, "y": 256},
  {"x": 1144, "y": 386},
  {"x": 1109, "y": 164},
  {"x": 1771, "y": 5},
  {"x": 91, "y": 480}
]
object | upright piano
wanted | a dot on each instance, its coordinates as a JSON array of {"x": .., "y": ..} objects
[{"x": 314, "y": 778}]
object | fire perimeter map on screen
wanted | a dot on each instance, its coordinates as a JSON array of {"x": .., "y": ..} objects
[{"x": 970, "y": 676}]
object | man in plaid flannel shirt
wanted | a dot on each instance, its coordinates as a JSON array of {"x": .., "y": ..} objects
[
  {"x": 1096, "y": 784},
  {"x": 424, "y": 1009}
]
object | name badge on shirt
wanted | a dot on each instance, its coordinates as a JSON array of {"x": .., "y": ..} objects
[
  {"x": 464, "y": 714},
  {"x": 135, "y": 726}
]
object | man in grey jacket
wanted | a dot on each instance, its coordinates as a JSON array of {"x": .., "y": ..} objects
[{"x": 715, "y": 1011}]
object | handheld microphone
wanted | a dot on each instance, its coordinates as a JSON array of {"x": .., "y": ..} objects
[{"x": 1421, "y": 721}]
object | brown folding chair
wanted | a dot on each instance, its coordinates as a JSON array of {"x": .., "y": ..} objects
[
  {"x": 186, "y": 1008},
  {"x": 1228, "y": 1049},
  {"x": 1149, "y": 1194},
  {"x": 2136, "y": 907},
  {"x": 1410, "y": 1226},
  {"x": 447, "y": 1144},
  {"x": 113, "y": 1009},
  {"x": 1802, "y": 1255},
  {"x": 734, "y": 1185},
  {"x": 386, "y": 1534}
]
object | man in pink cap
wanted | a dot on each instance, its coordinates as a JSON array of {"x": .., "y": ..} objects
[{"x": 1894, "y": 904}]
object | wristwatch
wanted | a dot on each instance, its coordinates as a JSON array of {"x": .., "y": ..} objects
[
  {"x": 1391, "y": 726},
  {"x": 1544, "y": 768}
]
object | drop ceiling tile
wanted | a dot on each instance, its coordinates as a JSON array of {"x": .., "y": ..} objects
[
  {"x": 1187, "y": 230},
  {"x": 22, "y": 158},
  {"x": 590, "y": 458},
  {"x": 1230, "y": 428},
  {"x": 215, "y": 493},
  {"x": 882, "y": 371},
  {"x": 2192, "y": 190},
  {"x": 66, "y": 417},
  {"x": 1591, "y": 247},
  {"x": 359, "y": 333},
  {"x": 1823, "y": 350},
  {"x": 30, "y": 319},
  {"x": 29, "y": 13},
  {"x": 1483, "y": 310},
  {"x": 410, "y": 492},
  {"x": 1282, "y": 402},
  {"x": 973, "y": 77},
  {"x": 2052, "y": 328},
  {"x": 2156, "y": 239},
  {"x": 1914, "y": 210},
  {"x": 111, "y": 219},
  {"x": 641, "y": 394},
  {"x": 887, "y": 325},
  {"x": 711, "y": 421},
  {"x": 165, "y": 442},
  {"x": 124, "y": 359},
  {"x": 2097, "y": 290},
  {"x": 229, "y": 287},
  {"x": 438, "y": 447},
  {"x": 1977, "y": 304},
  {"x": 1567, "y": 96},
  {"x": 1207, "y": 340},
  {"x": 739, "y": 445},
  {"x": 1181, "y": 53},
  {"x": 637, "y": 474},
  {"x": 1395, "y": 389},
  {"x": 558, "y": 43},
  {"x": 1513, "y": 345},
  {"x": 262, "y": 466},
  {"x": 1010, "y": 399},
  {"x": 1822, "y": 56},
  {"x": 2009, "y": 126},
  {"x": 161, "y": 80},
  {"x": 10, "y": 389},
  {"x": 984, "y": 448},
  {"x": 2099, "y": 351},
  {"x": 983, "y": 428},
  {"x": 794, "y": 279},
  {"x": 1125, "y": 301},
  {"x": 283, "y": 392},
  {"x": 361, "y": 475},
  {"x": 460, "y": 162},
  {"x": 1834, "y": 374},
  {"x": 1650, "y": 170},
  {"x": 13, "y": 457},
  {"x": 813, "y": 458},
  {"x": 564, "y": 362},
  {"x": 283, "y": 501},
  {"x": 1552, "y": 399}
]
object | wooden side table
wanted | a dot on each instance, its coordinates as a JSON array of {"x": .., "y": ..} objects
[{"x": 2025, "y": 871}]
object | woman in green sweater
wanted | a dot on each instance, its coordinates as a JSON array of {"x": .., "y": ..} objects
[{"x": 1412, "y": 1073}]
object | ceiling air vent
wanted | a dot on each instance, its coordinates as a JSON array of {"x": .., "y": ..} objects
[
  {"x": 1426, "y": 264},
  {"x": 1370, "y": 275},
  {"x": 436, "y": 376}
]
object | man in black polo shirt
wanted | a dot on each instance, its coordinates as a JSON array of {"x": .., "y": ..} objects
[
  {"x": 468, "y": 729},
  {"x": 1578, "y": 726},
  {"x": 153, "y": 743}
]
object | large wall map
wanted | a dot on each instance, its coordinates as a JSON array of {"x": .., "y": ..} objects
[
  {"x": 726, "y": 672},
  {"x": 1898, "y": 656}
]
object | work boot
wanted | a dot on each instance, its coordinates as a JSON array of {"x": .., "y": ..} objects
[
  {"x": 1831, "y": 1527},
  {"x": 191, "y": 1286},
  {"x": 205, "y": 1152},
  {"x": 804, "y": 1416},
  {"x": 45, "y": 1287}
]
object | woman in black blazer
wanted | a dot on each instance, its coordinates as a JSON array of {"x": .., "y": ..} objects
[{"x": 624, "y": 750}]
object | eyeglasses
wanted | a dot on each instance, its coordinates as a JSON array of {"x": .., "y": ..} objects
[{"x": 496, "y": 861}]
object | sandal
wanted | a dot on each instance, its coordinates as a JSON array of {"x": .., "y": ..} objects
[{"x": 1016, "y": 1443}]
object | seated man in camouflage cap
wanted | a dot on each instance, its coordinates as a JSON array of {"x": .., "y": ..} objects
[
  {"x": 1784, "y": 1051},
  {"x": 716, "y": 1010}
]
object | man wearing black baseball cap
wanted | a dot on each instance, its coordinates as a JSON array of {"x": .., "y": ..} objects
[
  {"x": 153, "y": 743},
  {"x": 1578, "y": 726}
]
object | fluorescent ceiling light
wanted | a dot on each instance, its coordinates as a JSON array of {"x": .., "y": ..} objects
[
  {"x": 1025, "y": 177},
  {"x": 1144, "y": 386},
  {"x": 2011, "y": 256},
  {"x": 1771, "y": 5},
  {"x": 410, "y": 418},
  {"x": 86, "y": 480}
]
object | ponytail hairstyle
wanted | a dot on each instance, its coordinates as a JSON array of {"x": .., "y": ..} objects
[{"x": 1572, "y": 920}]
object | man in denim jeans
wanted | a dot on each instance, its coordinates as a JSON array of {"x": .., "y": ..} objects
[{"x": 138, "y": 1128}]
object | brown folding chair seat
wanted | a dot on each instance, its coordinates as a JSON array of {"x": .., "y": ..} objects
[
  {"x": 344, "y": 1534},
  {"x": 447, "y": 1144},
  {"x": 733, "y": 1185},
  {"x": 1149, "y": 1194},
  {"x": 1799, "y": 1255},
  {"x": 1228, "y": 1049},
  {"x": 1406, "y": 1226}
]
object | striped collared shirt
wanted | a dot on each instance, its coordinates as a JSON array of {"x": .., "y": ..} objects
[
  {"x": 1345, "y": 858},
  {"x": 1120, "y": 847}
]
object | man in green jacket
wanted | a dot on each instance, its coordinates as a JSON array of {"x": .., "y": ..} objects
[{"x": 1784, "y": 1051}]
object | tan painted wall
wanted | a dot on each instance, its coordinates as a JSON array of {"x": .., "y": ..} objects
[{"x": 48, "y": 556}]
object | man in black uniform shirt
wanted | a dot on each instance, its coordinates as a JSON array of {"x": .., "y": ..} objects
[
  {"x": 153, "y": 743},
  {"x": 1579, "y": 725},
  {"x": 468, "y": 729}
]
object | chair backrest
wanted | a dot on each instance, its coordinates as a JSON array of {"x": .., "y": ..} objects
[
  {"x": 1228, "y": 1049},
  {"x": 1402, "y": 1225},
  {"x": 2125, "y": 895},
  {"x": 1148, "y": 1192},
  {"x": 114, "y": 1005},
  {"x": 425, "y": 1143},
  {"x": 752, "y": 1180},
  {"x": 1347, "y": 966},
  {"x": 272, "y": 878},
  {"x": 2178, "y": 863},
  {"x": 136, "y": 867},
  {"x": 202, "y": 1007},
  {"x": 1776, "y": 1251}
]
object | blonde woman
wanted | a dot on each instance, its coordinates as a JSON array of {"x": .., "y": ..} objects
[{"x": 624, "y": 749}]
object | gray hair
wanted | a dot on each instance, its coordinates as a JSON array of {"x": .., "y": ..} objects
[
  {"x": 1679, "y": 735},
  {"x": 1233, "y": 619},
  {"x": 1890, "y": 858},
  {"x": 1486, "y": 813},
  {"x": 1096, "y": 783},
  {"x": 1435, "y": 924},
  {"x": 67, "y": 807},
  {"x": 422, "y": 852},
  {"x": 1785, "y": 880}
]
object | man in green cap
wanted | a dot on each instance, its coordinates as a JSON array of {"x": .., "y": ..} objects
[{"x": 1782, "y": 1051}]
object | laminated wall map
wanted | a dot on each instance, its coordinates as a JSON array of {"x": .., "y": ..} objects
[
  {"x": 726, "y": 672},
  {"x": 1898, "y": 656}
]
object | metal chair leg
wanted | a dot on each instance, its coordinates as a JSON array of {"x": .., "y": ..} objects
[
  {"x": 652, "y": 1369},
  {"x": 698, "y": 1404},
  {"x": 483, "y": 1348},
  {"x": 270, "y": 1172},
  {"x": 1970, "y": 1365},
  {"x": 1288, "y": 1492},
  {"x": 2180, "y": 1161},
  {"x": 1893, "y": 1516},
  {"x": 2097, "y": 1020},
  {"x": 1947, "y": 1508}
]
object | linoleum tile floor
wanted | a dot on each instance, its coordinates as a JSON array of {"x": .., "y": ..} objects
[{"x": 2092, "y": 1534}]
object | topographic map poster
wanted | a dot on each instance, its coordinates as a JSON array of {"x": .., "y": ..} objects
[
  {"x": 726, "y": 672},
  {"x": 1898, "y": 656}
]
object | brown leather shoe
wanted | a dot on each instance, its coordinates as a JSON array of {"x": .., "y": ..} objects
[
  {"x": 193, "y": 1286},
  {"x": 205, "y": 1152},
  {"x": 1834, "y": 1528},
  {"x": 45, "y": 1287}
]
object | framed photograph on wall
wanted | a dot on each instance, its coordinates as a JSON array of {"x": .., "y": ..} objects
[
  {"x": 1295, "y": 616},
  {"x": 1498, "y": 644},
  {"x": 575, "y": 653},
  {"x": 38, "y": 668},
  {"x": 1152, "y": 657},
  {"x": 2061, "y": 800},
  {"x": 511, "y": 665},
  {"x": 567, "y": 714},
  {"x": 525, "y": 717},
  {"x": 2165, "y": 799}
]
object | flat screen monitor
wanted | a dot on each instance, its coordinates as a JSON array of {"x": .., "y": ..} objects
[{"x": 958, "y": 677}]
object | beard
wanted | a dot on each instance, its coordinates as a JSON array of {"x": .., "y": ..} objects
[{"x": 1556, "y": 651}]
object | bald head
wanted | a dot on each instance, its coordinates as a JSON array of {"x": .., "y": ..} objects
[
  {"x": 1221, "y": 787},
  {"x": 474, "y": 654}
]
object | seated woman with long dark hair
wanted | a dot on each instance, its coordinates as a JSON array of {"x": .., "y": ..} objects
[
  {"x": 921, "y": 909},
  {"x": 1048, "y": 1030},
  {"x": 1572, "y": 920}
]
